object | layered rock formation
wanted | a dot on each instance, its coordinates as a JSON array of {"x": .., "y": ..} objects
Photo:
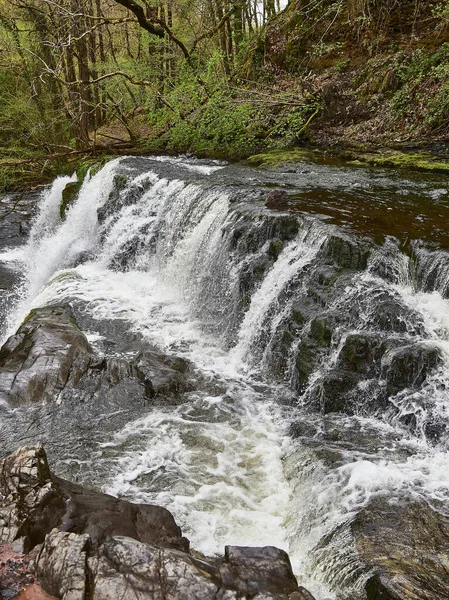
[
  {"x": 49, "y": 354},
  {"x": 95, "y": 547}
]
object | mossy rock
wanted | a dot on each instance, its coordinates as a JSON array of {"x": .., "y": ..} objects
[
  {"x": 275, "y": 248},
  {"x": 320, "y": 331},
  {"x": 402, "y": 160},
  {"x": 69, "y": 195},
  {"x": 279, "y": 157}
]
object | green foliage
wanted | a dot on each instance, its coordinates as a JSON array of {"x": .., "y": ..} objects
[{"x": 423, "y": 99}]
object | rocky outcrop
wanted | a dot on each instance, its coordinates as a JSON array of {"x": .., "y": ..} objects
[
  {"x": 33, "y": 502},
  {"x": 124, "y": 566},
  {"x": 49, "y": 354},
  {"x": 406, "y": 546},
  {"x": 95, "y": 547},
  {"x": 30, "y": 503},
  {"x": 37, "y": 362}
]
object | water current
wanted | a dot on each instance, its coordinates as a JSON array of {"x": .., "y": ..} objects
[{"x": 313, "y": 303}]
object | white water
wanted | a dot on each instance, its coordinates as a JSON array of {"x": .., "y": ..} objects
[{"x": 222, "y": 462}]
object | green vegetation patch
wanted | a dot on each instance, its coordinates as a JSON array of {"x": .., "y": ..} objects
[
  {"x": 398, "y": 160},
  {"x": 279, "y": 157}
]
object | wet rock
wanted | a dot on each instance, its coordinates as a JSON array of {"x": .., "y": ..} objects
[
  {"x": 36, "y": 362},
  {"x": 409, "y": 366},
  {"x": 332, "y": 392},
  {"x": 346, "y": 252},
  {"x": 250, "y": 276},
  {"x": 361, "y": 353},
  {"x": 162, "y": 374},
  {"x": 69, "y": 195},
  {"x": 277, "y": 199},
  {"x": 49, "y": 357},
  {"x": 255, "y": 570},
  {"x": 33, "y": 502},
  {"x": 405, "y": 547},
  {"x": 390, "y": 316},
  {"x": 123, "y": 566}
]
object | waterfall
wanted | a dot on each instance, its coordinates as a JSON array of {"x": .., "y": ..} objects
[{"x": 299, "y": 330}]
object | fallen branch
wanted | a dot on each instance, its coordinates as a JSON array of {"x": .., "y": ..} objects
[{"x": 45, "y": 157}]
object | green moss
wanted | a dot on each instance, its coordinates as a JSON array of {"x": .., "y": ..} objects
[
  {"x": 29, "y": 315},
  {"x": 120, "y": 181},
  {"x": 92, "y": 165},
  {"x": 321, "y": 332},
  {"x": 401, "y": 160},
  {"x": 69, "y": 195},
  {"x": 275, "y": 248},
  {"x": 278, "y": 157}
]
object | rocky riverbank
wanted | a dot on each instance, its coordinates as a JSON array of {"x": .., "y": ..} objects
[{"x": 89, "y": 546}]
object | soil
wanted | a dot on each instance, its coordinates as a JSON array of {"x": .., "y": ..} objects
[{"x": 16, "y": 581}]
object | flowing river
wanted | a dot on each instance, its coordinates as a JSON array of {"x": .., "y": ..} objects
[{"x": 313, "y": 304}]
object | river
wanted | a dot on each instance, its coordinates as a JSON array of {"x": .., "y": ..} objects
[{"x": 312, "y": 301}]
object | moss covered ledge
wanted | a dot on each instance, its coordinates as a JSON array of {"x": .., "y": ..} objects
[{"x": 354, "y": 156}]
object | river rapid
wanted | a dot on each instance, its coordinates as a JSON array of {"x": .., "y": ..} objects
[{"x": 312, "y": 301}]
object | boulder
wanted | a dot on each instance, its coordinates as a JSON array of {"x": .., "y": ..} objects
[
  {"x": 277, "y": 199},
  {"x": 161, "y": 374},
  {"x": 123, "y": 566},
  {"x": 50, "y": 354},
  {"x": 256, "y": 570},
  {"x": 405, "y": 547},
  {"x": 101, "y": 516},
  {"x": 47, "y": 350},
  {"x": 408, "y": 367},
  {"x": 33, "y": 502}
]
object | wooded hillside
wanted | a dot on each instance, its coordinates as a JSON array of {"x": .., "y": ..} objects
[{"x": 217, "y": 77}]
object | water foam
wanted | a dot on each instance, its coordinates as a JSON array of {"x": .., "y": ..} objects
[{"x": 221, "y": 462}]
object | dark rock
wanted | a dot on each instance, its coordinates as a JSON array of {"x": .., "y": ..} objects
[
  {"x": 36, "y": 362},
  {"x": 361, "y": 353},
  {"x": 277, "y": 199},
  {"x": 102, "y": 516},
  {"x": 33, "y": 502},
  {"x": 265, "y": 569},
  {"x": 333, "y": 391},
  {"x": 405, "y": 546},
  {"x": 69, "y": 195},
  {"x": 390, "y": 315},
  {"x": 346, "y": 252},
  {"x": 161, "y": 374},
  {"x": 409, "y": 366}
]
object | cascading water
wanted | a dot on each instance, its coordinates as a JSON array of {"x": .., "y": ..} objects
[{"x": 299, "y": 332}]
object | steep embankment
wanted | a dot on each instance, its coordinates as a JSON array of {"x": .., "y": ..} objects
[{"x": 378, "y": 69}]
